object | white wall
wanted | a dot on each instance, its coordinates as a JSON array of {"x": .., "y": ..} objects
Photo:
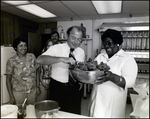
[
  {"x": 92, "y": 26},
  {"x": 66, "y": 24}
]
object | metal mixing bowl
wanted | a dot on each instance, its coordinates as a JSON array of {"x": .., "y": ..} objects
[
  {"x": 46, "y": 107},
  {"x": 87, "y": 77}
]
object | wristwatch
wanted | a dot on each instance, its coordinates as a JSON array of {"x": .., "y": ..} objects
[{"x": 121, "y": 78}]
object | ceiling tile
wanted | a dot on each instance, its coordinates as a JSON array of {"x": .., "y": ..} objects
[
  {"x": 71, "y": 18},
  {"x": 57, "y": 8},
  {"x": 4, "y": 4},
  {"x": 42, "y": 20},
  {"x": 19, "y": 12},
  {"x": 39, "y": 20},
  {"x": 33, "y": 1},
  {"x": 55, "y": 19},
  {"x": 80, "y": 7},
  {"x": 90, "y": 17},
  {"x": 135, "y": 6},
  {"x": 106, "y": 16},
  {"x": 138, "y": 14}
]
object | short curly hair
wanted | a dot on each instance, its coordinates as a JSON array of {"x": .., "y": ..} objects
[
  {"x": 17, "y": 41},
  {"x": 114, "y": 35}
]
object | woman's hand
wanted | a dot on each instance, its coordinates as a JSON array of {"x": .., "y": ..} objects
[
  {"x": 107, "y": 77},
  {"x": 100, "y": 80},
  {"x": 113, "y": 78},
  {"x": 37, "y": 65}
]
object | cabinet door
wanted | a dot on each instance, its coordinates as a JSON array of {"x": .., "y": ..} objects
[{"x": 34, "y": 44}]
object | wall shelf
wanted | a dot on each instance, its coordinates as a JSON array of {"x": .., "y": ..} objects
[
  {"x": 135, "y": 40},
  {"x": 66, "y": 39}
]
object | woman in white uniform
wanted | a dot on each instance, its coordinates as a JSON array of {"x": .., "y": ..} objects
[{"x": 109, "y": 93}]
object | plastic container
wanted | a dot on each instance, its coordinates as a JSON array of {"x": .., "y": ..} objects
[
  {"x": 9, "y": 111},
  {"x": 84, "y": 30},
  {"x": 62, "y": 34}
]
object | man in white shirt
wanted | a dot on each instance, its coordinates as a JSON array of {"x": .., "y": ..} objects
[{"x": 68, "y": 96}]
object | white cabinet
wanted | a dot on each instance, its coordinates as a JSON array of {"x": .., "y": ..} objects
[
  {"x": 6, "y": 53},
  {"x": 4, "y": 91},
  {"x": 1, "y": 90}
]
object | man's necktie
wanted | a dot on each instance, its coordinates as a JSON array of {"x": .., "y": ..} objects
[
  {"x": 71, "y": 54},
  {"x": 71, "y": 80}
]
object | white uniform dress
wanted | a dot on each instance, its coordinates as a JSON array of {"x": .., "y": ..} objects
[{"x": 107, "y": 99}]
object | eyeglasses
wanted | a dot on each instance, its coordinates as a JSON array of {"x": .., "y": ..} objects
[
  {"x": 109, "y": 43},
  {"x": 74, "y": 39}
]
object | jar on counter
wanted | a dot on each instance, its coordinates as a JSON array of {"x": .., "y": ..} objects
[
  {"x": 21, "y": 111},
  {"x": 84, "y": 30},
  {"x": 62, "y": 34}
]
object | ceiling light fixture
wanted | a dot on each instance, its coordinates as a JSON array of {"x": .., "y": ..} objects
[
  {"x": 130, "y": 22},
  {"x": 107, "y": 7},
  {"x": 136, "y": 28},
  {"x": 36, "y": 10},
  {"x": 17, "y": 2},
  {"x": 124, "y": 26}
]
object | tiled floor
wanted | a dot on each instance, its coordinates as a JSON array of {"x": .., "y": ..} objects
[{"x": 84, "y": 107}]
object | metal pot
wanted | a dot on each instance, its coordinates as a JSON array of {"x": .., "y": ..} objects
[{"x": 46, "y": 107}]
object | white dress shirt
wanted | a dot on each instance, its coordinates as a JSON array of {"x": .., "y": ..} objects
[
  {"x": 109, "y": 100},
  {"x": 60, "y": 71}
]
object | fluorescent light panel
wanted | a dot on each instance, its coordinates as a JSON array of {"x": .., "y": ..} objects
[
  {"x": 107, "y": 7},
  {"x": 36, "y": 10},
  {"x": 136, "y": 28},
  {"x": 136, "y": 22},
  {"x": 17, "y": 2}
]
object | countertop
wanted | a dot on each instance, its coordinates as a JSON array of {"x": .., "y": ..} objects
[{"x": 31, "y": 113}]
